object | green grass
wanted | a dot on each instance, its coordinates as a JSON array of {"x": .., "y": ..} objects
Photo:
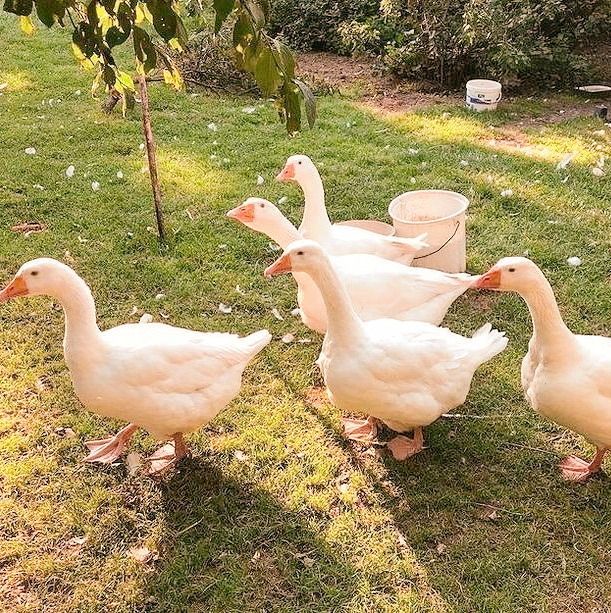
[{"x": 275, "y": 532}]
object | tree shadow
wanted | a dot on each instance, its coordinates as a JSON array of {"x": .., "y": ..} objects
[{"x": 232, "y": 547}]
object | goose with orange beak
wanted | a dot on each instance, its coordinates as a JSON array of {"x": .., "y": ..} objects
[
  {"x": 341, "y": 239},
  {"x": 405, "y": 374},
  {"x": 566, "y": 377},
  {"x": 166, "y": 380},
  {"x": 377, "y": 287}
]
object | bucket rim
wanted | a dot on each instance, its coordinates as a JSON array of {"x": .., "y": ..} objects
[
  {"x": 457, "y": 195},
  {"x": 484, "y": 84}
]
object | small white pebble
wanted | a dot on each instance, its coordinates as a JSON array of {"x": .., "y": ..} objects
[
  {"x": 260, "y": 180},
  {"x": 223, "y": 308},
  {"x": 39, "y": 186},
  {"x": 70, "y": 171},
  {"x": 77, "y": 92},
  {"x": 213, "y": 127},
  {"x": 412, "y": 180},
  {"x": 119, "y": 174},
  {"x": 159, "y": 296},
  {"x": 240, "y": 456},
  {"x": 573, "y": 261},
  {"x": 464, "y": 163},
  {"x": 215, "y": 142},
  {"x": 249, "y": 110},
  {"x": 413, "y": 151},
  {"x": 95, "y": 186},
  {"x": 226, "y": 160},
  {"x": 141, "y": 146},
  {"x": 3, "y": 86},
  {"x": 598, "y": 172},
  {"x": 283, "y": 200},
  {"x": 147, "y": 318},
  {"x": 276, "y": 314},
  {"x": 30, "y": 150},
  {"x": 507, "y": 193},
  {"x": 288, "y": 338},
  {"x": 296, "y": 312}
]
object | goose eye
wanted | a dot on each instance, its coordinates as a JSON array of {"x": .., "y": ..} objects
[
  {"x": 262, "y": 205},
  {"x": 34, "y": 273},
  {"x": 512, "y": 269},
  {"x": 299, "y": 162},
  {"x": 300, "y": 252}
]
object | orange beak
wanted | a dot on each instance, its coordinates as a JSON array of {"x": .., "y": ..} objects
[
  {"x": 244, "y": 213},
  {"x": 17, "y": 287},
  {"x": 286, "y": 174},
  {"x": 490, "y": 280},
  {"x": 281, "y": 266}
]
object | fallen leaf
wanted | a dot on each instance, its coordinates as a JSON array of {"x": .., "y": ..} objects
[
  {"x": 159, "y": 296},
  {"x": 308, "y": 562},
  {"x": 283, "y": 200},
  {"x": 142, "y": 554},
  {"x": 30, "y": 150},
  {"x": 29, "y": 227},
  {"x": 255, "y": 556},
  {"x": 401, "y": 540},
  {"x": 249, "y": 110},
  {"x": 507, "y": 193},
  {"x": 276, "y": 314},
  {"x": 412, "y": 180},
  {"x": 133, "y": 461},
  {"x": 70, "y": 171},
  {"x": 141, "y": 146},
  {"x": 119, "y": 175},
  {"x": 76, "y": 541},
  {"x": 95, "y": 186},
  {"x": 65, "y": 432},
  {"x": 240, "y": 456},
  {"x": 574, "y": 261},
  {"x": 147, "y": 318},
  {"x": 441, "y": 548},
  {"x": 296, "y": 312},
  {"x": 3, "y": 86},
  {"x": 464, "y": 163},
  {"x": 133, "y": 311},
  {"x": 223, "y": 308},
  {"x": 260, "y": 180},
  {"x": 565, "y": 161},
  {"x": 598, "y": 172},
  {"x": 490, "y": 515},
  {"x": 213, "y": 127},
  {"x": 305, "y": 341}
]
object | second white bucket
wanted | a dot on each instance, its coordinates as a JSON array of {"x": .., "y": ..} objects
[
  {"x": 483, "y": 95},
  {"x": 441, "y": 214}
]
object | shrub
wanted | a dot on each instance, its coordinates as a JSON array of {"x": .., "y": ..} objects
[{"x": 314, "y": 24}]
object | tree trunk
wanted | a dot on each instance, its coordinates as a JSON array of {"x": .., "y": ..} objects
[
  {"x": 111, "y": 101},
  {"x": 152, "y": 162}
]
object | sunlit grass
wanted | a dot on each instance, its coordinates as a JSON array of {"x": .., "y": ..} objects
[{"x": 298, "y": 520}]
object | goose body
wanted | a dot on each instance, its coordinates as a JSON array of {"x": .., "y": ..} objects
[
  {"x": 404, "y": 373},
  {"x": 566, "y": 377},
  {"x": 341, "y": 239},
  {"x": 166, "y": 380},
  {"x": 377, "y": 287}
]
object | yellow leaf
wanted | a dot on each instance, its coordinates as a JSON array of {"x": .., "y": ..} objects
[
  {"x": 78, "y": 54},
  {"x": 178, "y": 82},
  {"x": 27, "y": 27},
  {"x": 142, "y": 13},
  {"x": 175, "y": 44},
  {"x": 125, "y": 80},
  {"x": 139, "y": 67}
]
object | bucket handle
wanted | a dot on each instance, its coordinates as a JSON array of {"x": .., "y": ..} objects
[{"x": 442, "y": 246}]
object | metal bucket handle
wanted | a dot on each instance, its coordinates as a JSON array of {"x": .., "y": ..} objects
[{"x": 442, "y": 246}]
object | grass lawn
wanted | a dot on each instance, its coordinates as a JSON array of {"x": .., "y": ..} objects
[{"x": 300, "y": 520}]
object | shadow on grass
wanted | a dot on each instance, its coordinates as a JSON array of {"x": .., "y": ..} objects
[{"x": 256, "y": 554}]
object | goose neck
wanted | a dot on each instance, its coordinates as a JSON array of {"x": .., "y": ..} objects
[{"x": 315, "y": 217}]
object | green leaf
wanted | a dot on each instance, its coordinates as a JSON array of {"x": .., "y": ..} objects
[
  {"x": 285, "y": 58},
  {"x": 18, "y": 7},
  {"x": 144, "y": 49},
  {"x": 222, "y": 9},
  {"x": 292, "y": 107},
  {"x": 84, "y": 38},
  {"x": 50, "y": 11},
  {"x": 267, "y": 75},
  {"x": 164, "y": 18},
  {"x": 309, "y": 101},
  {"x": 257, "y": 12}
]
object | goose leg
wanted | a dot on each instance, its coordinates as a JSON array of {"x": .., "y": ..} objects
[
  {"x": 577, "y": 470},
  {"x": 168, "y": 455},
  {"x": 403, "y": 447},
  {"x": 363, "y": 430},
  {"x": 107, "y": 450}
]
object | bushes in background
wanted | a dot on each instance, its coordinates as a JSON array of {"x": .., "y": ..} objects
[{"x": 448, "y": 41}]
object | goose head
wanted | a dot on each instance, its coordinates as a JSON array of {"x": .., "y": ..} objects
[
  {"x": 257, "y": 213},
  {"x": 510, "y": 275},
  {"x": 300, "y": 256},
  {"x": 298, "y": 168},
  {"x": 43, "y": 276}
]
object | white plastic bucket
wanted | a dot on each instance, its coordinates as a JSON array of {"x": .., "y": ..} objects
[
  {"x": 483, "y": 95},
  {"x": 439, "y": 213},
  {"x": 379, "y": 227}
]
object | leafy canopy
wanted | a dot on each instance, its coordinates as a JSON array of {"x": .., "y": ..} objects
[{"x": 99, "y": 26}]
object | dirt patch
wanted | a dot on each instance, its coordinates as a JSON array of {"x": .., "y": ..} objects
[{"x": 376, "y": 90}]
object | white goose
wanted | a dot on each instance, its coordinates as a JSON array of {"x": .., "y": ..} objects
[
  {"x": 377, "y": 287},
  {"x": 566, "y": 377},
  {"x": 341, "y": 239},
  {"x": 404, "y": 373},
  {"x": 167, "y": 380}
]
